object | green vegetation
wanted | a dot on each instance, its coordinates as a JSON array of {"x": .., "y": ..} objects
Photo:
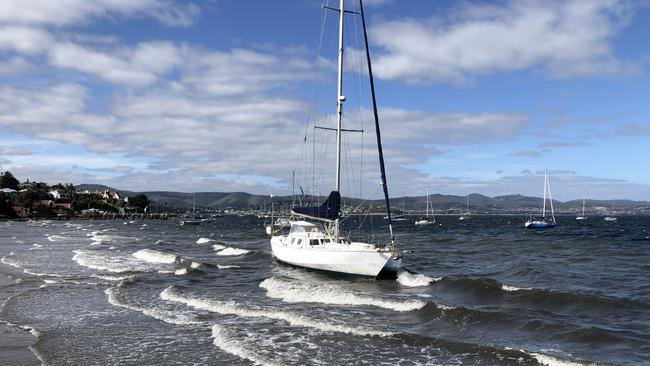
[
  {"x": 138, "y": 202},
  {"x": 6, "y": 210},
  {"x": 7, "y": 180}
]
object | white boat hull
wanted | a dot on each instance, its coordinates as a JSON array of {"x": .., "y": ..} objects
[
  {"x": 353, "y": 259},
  {"x": 424, "y": 222}
]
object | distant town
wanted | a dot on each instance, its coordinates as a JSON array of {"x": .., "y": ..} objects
[{"x": 34, "y": 200}]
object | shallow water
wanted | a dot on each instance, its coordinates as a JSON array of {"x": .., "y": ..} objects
[{"x": 481, "y": 291}]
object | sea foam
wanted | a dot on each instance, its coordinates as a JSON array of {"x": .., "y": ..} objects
[
  {"x": 233, "y": 308},
  {"x": 222, "y": 339},
  {"x": 293, "y": 291},
  {"x": 513, "y": 288},
  {"x": 547, "y": 360},
  {"x": 154, "y": 256},
  {"x": 160, "y": 314},
  {"x": 230, "y": 251},
  {"x": 406, "y": 278},
  {"x": 203, "y": 240}
]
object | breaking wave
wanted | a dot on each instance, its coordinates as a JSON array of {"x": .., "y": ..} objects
[
  {"x": 160, "y": 314},
  {"x": 222, "y": 339},
  {"x": 513, "y": 288},
  {"x": 154, "y": 256},
  {"x": 292, "y": 291},
  {"x": 233, "y": 308},
  {"x": 409, "y": 279},
  {"x": 230, "y": 251}
]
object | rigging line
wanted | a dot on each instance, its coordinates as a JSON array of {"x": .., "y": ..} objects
[
  {"x": 382, "y": 167},
  {"x": 365, "y": 217},
  {"x": 315, "y": 85},
  {"x": 350, "y": 167},
  {"x": 360, "y": 94}
]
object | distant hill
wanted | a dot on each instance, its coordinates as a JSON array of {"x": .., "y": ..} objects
[{"x": 478, "y": 203}]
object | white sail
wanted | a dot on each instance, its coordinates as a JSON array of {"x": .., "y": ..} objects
[
  {"x": 543, "y": 223},
  {"x": 427, "y": 220}
]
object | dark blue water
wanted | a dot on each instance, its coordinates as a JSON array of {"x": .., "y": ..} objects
[{"x": 482, "y": 291}]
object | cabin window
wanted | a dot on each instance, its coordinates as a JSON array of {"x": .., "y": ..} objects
[{"x": 293, "y": 240}]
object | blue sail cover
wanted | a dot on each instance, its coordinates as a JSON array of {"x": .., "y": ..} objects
[{"x": 329, "y": 210}]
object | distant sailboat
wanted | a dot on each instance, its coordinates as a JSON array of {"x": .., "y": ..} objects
[
  {"x": 543, "y": 223},
  {"x": 400, "y": 217},
  {"x": 582, "y": 216},
  {"x": 465, "y": 216},
  {"x": 427, "y": 221},
  {"x": 193, "y": 220},
  {"x": 611, "y": 216}
]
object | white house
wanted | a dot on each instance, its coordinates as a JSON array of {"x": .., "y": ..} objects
[{"x": 58, "y": 194}]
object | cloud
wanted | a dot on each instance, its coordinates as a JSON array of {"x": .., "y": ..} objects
[
  {"x": 10, "y": 150},
  {"x": 25, "y": 40},
  {"x": 137, "y": 67},
  {"x": 14, "y": 65},
  {"x": 562, "y": 38},
  {"x": 451, "y": 128},
  {"x": 634, "y": 129},
  {"x": 527, "y": 152},
  {"x": 555, "y": 144},
  {"x": 74, "y": 12}
]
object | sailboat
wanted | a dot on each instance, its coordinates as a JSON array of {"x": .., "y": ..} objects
[
  {"x": 465, "y": 216},
  {"x": 427, "y": 221},
  {"x": 193, "y": 220},
  {"x": 582, "y": 216},
  {"x": 611, "y": 217},
  {"x": 401, "y": 216},
  {"x": 543, "y": 223},
  {"x": 314, "y": 240}
]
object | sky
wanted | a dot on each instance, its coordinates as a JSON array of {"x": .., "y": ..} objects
[{"x": 474, "y": 96}]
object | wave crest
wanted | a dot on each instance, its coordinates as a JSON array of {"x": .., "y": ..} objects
[
  {"x": 406, "y": 278},
  {"x": 233, "y": 308},
  {"x": 292, "y": 291}
]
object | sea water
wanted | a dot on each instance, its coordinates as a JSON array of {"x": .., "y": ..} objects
[{"x": 481, "y": 291}]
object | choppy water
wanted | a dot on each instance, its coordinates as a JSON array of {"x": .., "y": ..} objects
[{"x": 483, "y": 291}]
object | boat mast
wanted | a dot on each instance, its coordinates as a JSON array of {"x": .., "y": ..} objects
[
  {"x": 550, "y": 198},
  {"x": 544, "y": 203},
  {"x": 339, "y": 110},
  {"x": 382, "y": 168},
  {"x": 427, "y": 202}
]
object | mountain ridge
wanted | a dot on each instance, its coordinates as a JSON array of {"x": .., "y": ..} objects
[{"x": 440, "y": 202}]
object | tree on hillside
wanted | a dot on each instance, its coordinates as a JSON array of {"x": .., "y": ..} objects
[
  {"x": 7, "y": 180},
  {"x": 139, "y": 202},
  {"x": 5, "y": 207}
]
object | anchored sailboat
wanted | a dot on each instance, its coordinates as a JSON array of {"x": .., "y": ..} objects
[
  {"x": 611, "y": 216},
  {"x": 427, "y": 220},
  {"x": 582, "y": 216},
  {"x": 193, "y": 220},
  {"x": 401, "y": 216},
  {"x": 314, "y": 240},
  {"x": 543, "y": 223}
]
